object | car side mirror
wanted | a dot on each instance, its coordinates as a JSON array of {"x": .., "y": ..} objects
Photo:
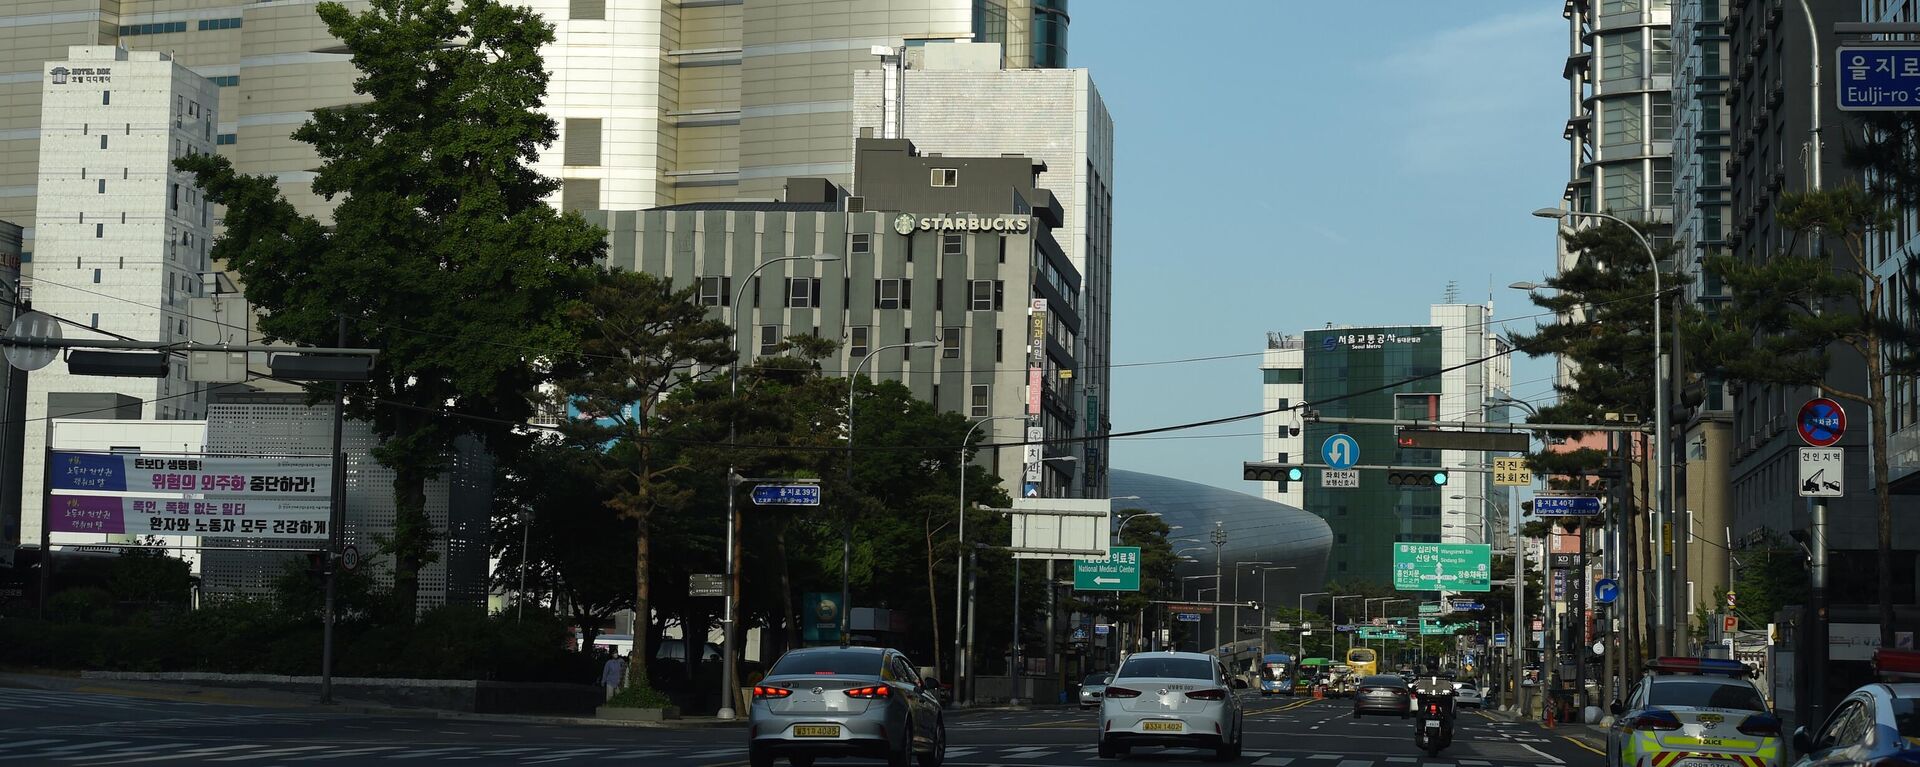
[
  {"x": 1617, "y": 708},
  {"x": 1802, "y": 742}
]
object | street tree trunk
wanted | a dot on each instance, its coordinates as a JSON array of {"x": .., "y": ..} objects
[
  {"x": 789, "y": 616},
  {"x": 642, "y": 612},
  {"x": 1877, "y": 429}
]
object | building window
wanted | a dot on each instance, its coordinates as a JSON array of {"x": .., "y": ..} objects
[
  {"x": 860, "y": 244},
  {"x": 587, "y": 10},
  {"x": 999, "y": 344},
  {"x": 157, "y": 28},
  {"x": 579, "y": 194},
  {"x": 1283, "y": 376},
  {"x": 103, "y": 141},
  {"x": 769, "y": 339},
  {"x": 1662, "y": 56},
  {"x": 1624, "y": 191},
  {"x": 1662, "y": 117},
  {"x": 1620, "y": 56},
  {"x": 890, "y": 294},
  {"x": 945, "y": 177},
  {"x": 953, "y": 244},
  {"x": 225, "y": 139},
  {"x": 982, "y": 404},
  {"x": 96, "y": 276},
  {"x": 226, "y": 81},
  {"x": 1620, "y": 123},
  {"x": 714, "y": 291},
  {"x": 99, "y": 231},
  {"x": 1003, "y": 249},
  {"x": 1662, "y": 183},
  {"x": 857, "y": 344},
  {"x": 803, "y": 293},
  {"x": 987, "y": 295},
  {"x": 176, "y": 196},
  {"x": 209, "y": 25},
  {"x": 582, "y": 141},
  {"x": 101, "y": 187},
  {"x": 93, "y": 320},
  {"x": 950, "y": 343}
]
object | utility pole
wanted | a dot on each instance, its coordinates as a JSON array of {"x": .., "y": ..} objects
[{"x": 1219, "y": 540}]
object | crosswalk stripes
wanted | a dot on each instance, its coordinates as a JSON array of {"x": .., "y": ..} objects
[{"x": 15, "y": 698}]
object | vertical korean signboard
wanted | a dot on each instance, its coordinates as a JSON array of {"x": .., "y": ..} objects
[
  {"x": 135, "y": 494},
  {"x": 1036, "y": 380}
]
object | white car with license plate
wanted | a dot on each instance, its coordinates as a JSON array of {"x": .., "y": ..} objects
[
  {"x": 1178, "y": 699},
  {"x": 1467, "y": 694},
  {"x": 845, "y": 701}
]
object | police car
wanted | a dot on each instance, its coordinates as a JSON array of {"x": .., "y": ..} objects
[
  {"x": 1876, "y": 725},
  {"x": 1694, "y": 712}
]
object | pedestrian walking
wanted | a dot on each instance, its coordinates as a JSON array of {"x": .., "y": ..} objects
[{"x": 614, "y": 674}]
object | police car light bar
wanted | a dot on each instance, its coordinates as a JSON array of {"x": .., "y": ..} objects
[
  {"x": 1902, "y": 663},
  {"x": 1717, "y": 666}
]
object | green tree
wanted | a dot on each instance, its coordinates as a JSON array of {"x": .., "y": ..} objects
[
  {"x": 576, "y": 546},
  {"x": 1769, "y": 574},
  {"x": 1790, "y": 313},
  {"x": 640, "y": 339},
  {"x": 441, "y": 249}
]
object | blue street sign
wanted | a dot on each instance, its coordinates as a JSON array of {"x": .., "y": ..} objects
[
  {"x": 1187, "y": 617},
  {"x": 1344, "y": 628},
  {"x": 1466, "y": 605},
  {"x": 786, "y": 495},
  {"x": 1340, "y": 451},
  {"x": 1565, "y": 506},
  {"x": 1500, "y": 639},
  {"x": 1879, "y": 78},
  {"x": 1606, "y": 590}
]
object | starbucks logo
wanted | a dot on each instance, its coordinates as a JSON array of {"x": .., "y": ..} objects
[{"x": 904, "y": 223}]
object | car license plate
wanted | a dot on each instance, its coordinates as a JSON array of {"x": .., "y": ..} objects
[
  {"x": 816, "y": 731},
  {"x": 1433, "y": 724},
  {"x": 1703, "y": 763},
  {"x": 1162, "y": 726}
]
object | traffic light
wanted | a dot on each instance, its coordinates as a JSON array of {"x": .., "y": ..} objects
[
  {"x": 1417, "y": 478},
  {"x": 1278, "y": 472}
]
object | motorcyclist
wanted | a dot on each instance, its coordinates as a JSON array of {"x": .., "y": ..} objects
[{"x": 1433, "y": 714}]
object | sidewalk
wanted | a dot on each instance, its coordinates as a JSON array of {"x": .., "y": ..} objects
[{"x": 253, "y": 698}]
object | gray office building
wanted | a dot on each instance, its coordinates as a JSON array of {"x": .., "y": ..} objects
[{"x": 954, "y": 250}]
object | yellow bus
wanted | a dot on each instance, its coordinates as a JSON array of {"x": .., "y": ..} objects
[{"x": 1363, "y": 661}]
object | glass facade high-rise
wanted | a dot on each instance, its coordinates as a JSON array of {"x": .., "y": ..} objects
[{"x": 1367, "y": 373}]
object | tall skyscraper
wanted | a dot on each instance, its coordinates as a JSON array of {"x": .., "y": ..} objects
[
  {"x": 657, "y": 101},
  {"x": 122, "y": 235}
]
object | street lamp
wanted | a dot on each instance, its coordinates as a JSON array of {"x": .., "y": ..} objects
[
  {"x": 1300, "y": 611},
  {"x": 1130, "y": 518},
  {"x": 1333, "y": 621},
  {"x": 1663, "y": 512},
  {"x": 1236, "y": 592},
  {"x": 733, "y": 519},
  {"x": 960, "y": 649},
  {"x": 1366, "y": 608},
  {"x": 846, "y": 527},
  {"x": 1266, "y": 607}
]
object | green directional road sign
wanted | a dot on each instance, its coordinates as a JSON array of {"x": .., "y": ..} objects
[
  {"x": 1430, "y": 608},
  {"x": 1437, "y": 566},
  {"x": 1395, "y": 636},
  {"x": 1430, "y": 627},
  {"x": 1120, "y": 571}
]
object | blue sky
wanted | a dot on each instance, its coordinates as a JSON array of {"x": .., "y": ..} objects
[{"x": 1343, "y": 162}]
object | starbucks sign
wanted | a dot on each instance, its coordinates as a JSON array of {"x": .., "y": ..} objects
[{"x": 907, "y": 223}]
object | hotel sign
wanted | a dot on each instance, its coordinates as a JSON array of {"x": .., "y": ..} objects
[
  {"x": 63, "y": 75},
  {"x": 907, "y": 223}
]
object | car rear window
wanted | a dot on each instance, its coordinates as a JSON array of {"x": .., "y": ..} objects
[
  {"x": 823, "y": 662},
  {"x": 1168, "y": 668},
  {"x": 1383, "y": 681},
  {"x": 1700, "y": 693}
]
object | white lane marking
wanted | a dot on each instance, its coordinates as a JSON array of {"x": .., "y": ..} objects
[
  {"x": 349, "y": 752},
  {"x": 126, "y": 752},
  {"x": 264, "y": 754},
  {"x": 25, "y": 743},
  {"x": 1543, "y": 754},
  {"x": 428, "y": 752},
  {"x": 190, "y": 754},
  {"x": 1273, "y": 761}
]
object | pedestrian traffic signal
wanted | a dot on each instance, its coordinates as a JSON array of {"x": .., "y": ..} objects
[{"x": 1417, "y": 479}]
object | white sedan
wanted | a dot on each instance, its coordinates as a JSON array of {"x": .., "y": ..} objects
[
  {"x": 1179, "y": 699},
  {"x": 1467, "y": 694}
]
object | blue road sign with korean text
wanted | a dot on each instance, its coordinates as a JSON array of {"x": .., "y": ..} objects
[
  {"x": 1340, "y": 451},
  {"x": 1879, "y": 78},
  {"x": 1187, "y": 617},
  {"x": 1565, "y": 506},
  {"x": 1606, "y": 590},
  {"x": 786, "y": 495}
]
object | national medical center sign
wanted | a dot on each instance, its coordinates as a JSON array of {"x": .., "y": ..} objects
[{"x": 134, "y": 494}]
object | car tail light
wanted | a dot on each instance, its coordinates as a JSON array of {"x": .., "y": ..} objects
[
  {"x": 1433, "y": 708},
  {"x": 876, "y": 691},
  {"x": 1208, "y": 694},
  {"x": 760, "y": 691},
  {"x": 1653, "y": 719},
  {"x": 1763, "y": 725},
  {"x": 1901, "y": 663},
  {"x": 1121, "y": 692}
]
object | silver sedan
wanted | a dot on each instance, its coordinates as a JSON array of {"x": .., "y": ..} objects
[
  {"x": 1177, "y": 699},
  {"x": 845, "y": 701}
]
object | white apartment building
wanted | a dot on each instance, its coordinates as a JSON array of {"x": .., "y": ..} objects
[{"x": 122, "y": 236}]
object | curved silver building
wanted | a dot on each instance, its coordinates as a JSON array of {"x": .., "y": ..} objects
[{"x": 1254, "y": 530}]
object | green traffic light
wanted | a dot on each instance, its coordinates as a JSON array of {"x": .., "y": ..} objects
[
  {"x": 1294, "y": 474},
  {"x": 1439, "y": 478}
]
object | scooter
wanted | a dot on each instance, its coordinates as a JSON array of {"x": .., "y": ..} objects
[{"x": 1433, "y": 717}]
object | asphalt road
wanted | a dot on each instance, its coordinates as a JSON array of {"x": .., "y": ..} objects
[{"x": 39, "y": 727}]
